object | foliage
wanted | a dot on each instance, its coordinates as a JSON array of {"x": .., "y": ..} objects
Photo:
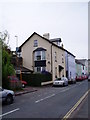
[
  {"x": 7, "y": 67},
  {"x": 35, "y": 79}
]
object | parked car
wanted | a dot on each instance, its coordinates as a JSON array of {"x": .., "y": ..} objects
[
  {"x": 79, "y": 78},
  {"x": 88, "y": 77},
  {"x": 72, "y": 80},
  {"x": 6, "y": 96},
  {"x": 15, "y": 79},
  {"x": 63, "y": 81}
]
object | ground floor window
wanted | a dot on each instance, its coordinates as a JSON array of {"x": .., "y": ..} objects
[{"x": 39, "y": 69}]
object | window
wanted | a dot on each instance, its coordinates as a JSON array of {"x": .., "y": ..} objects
[
  {"x": 55, "y": 72},
  {"x": 43, "y": 55},
  {"x": 62, "y": 58},
  {"x": 83, "y": 67},
  {"x": 43, "y": 68},
  {"x": 39, "y": 55},
  {"x": 55, "y": 57},
  {"x": 39, "y": 69},
  {"x": 35, "y": 43},
  {"x": 58, "y": 43}
]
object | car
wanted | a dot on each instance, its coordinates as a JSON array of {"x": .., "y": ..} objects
[
  {"x": 15, "y": 79},
  {"x": 6, "y": 96},
  {"x": 79, "y": 78},
  {"x": 71, "y": 80},
  {"x": 88, "y": 77},
  {"x": 63, "y": 81}
]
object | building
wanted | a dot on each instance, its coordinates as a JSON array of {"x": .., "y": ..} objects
[
  {"x": 70, "y": 65},
  {"x": 84, "y": 62},
  {"x": 17, "y": 62},
  {"x": 88, "y": 66},
  {"x": 41, "y": 54},
  {"x": 79, "y": 68}
]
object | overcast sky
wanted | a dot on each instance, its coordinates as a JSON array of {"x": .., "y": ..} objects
[{"x": 65, "y": 20}]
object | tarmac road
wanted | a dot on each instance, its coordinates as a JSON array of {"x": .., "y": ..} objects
[{"x": 47, "y": 102}]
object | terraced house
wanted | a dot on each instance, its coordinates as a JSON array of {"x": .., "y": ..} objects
[{"x": 40, "y": 53}]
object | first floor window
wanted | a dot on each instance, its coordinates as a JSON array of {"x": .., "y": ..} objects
[{"x": 39, "y": 55}]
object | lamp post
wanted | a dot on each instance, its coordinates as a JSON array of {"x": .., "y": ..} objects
[{"x": 17, "y": 57}]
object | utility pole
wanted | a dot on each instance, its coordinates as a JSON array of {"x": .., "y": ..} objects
[
  {"x": 16, "y": 40},
  {"x": 17, "y": 57}
]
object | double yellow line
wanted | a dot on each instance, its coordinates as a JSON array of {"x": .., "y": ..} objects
[{"x": 75, "y": 106}]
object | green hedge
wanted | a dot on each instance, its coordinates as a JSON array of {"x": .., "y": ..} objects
[{"x": 35, "y": 79}]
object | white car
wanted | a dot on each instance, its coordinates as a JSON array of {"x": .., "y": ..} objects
[
  {"x": 6, "y": 96},
  {"x": 63, "y": 81}
]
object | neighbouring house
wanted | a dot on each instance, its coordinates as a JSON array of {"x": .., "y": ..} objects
[
  {"x": 88, "y": 66},
  {"x": 85, "y": 66},
  {"x": 85, "y": 62},
  {"x": 79, "y": 68},
  {"x": 39, "y": 54},
  {"x": 70, "y": 65},
  {"x": 17, "y": 62}
]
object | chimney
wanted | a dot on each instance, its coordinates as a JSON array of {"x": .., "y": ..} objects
[
  {"x": 46, "y": 35},
  {"x": 62, "y": 45}
]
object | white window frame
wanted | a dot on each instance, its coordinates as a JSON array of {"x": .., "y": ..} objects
[
  {"x": 41, "y": 54},
  {"x": 35, "y": 43}
]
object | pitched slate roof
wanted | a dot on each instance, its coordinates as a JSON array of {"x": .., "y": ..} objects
[
  {"x": 47, "y": 41},
  {"x": 78, "y": 62},
  {"x": 56, "y": 40}
]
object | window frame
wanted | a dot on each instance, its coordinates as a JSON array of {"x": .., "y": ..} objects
[{"x": 35, "y": 43}]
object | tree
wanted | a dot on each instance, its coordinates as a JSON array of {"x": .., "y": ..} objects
[{"x": 7, "y": 67}]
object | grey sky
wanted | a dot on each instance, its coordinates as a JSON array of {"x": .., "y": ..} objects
[{"x": 67, "y": 20}]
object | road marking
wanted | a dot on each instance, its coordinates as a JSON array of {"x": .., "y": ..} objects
[
  {"x": 75, "y": 106},
  {"x": 45, "y": 98},
  {"x": 54, "y": 94},
  {"x": 9, "y": 112},
  {"x": 65, "y": 90}
]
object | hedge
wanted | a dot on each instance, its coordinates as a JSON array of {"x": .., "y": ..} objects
[{"x": 35, "y": 79}]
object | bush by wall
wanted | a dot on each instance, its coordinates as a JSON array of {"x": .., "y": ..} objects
[
  {"x": 35, "y": 79},
  {"x": 16, "y": 85}
]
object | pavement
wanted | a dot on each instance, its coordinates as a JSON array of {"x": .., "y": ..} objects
[
  {"x": 82, "y": 111},
  {"x": 25, "y": 91}
]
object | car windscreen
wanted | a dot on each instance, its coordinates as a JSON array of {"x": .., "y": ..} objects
[{"x": 58, "y": 79}]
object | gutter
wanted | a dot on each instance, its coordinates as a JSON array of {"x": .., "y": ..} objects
[{"x": 51, "y": 62}]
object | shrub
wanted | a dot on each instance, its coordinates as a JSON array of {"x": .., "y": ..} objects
[{"x": 35, "y": 79}]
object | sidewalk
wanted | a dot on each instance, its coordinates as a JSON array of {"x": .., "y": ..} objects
[
  {"x": 82, "y": 112},
  {"x": 25, "y": 90}
]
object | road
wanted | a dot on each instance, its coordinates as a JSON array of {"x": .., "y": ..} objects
[{"x": 47, "y": 102}]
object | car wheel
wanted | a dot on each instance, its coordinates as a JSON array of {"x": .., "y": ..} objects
[
  {"x": 9, "y": 99},
  {"x": 63, "y": 84},
  {"x": 23, "y": 85}
]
